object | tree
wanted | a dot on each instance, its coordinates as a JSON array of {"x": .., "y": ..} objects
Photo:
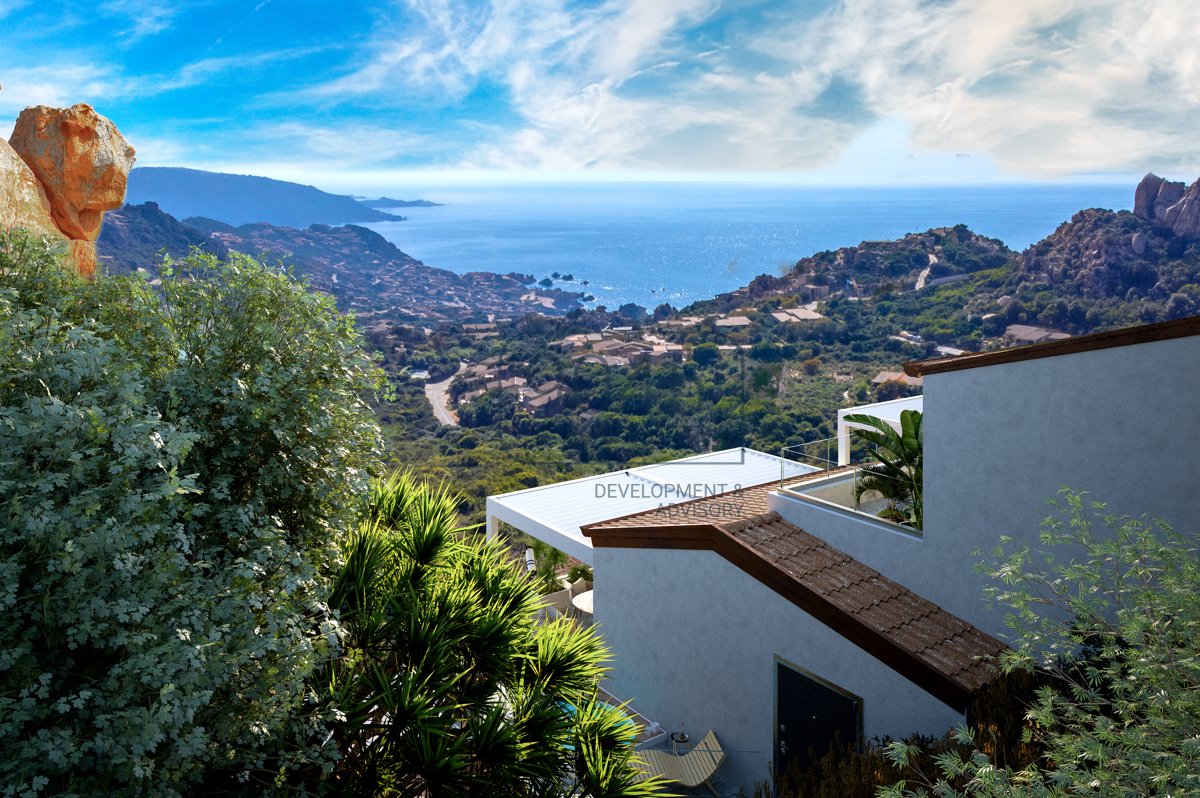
[
  {"x": 896, "y": 474},
  {"x": 706, "y": 354},
  {"x": 549, "y": 562},
  {"x": 1114, "y": 623},
  {"x": 176, "y": 469},
  {"x": 446, "y": 685}
]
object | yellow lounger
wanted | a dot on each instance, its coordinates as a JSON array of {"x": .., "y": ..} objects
[{"x": 692, "y": 769}]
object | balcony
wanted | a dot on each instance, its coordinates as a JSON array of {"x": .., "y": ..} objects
[{"x": 831, "y": 488}]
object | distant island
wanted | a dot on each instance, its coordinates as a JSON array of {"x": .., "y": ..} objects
[
  {"x": 244, "y": 199},
  {"x": 388, "y": 202}
]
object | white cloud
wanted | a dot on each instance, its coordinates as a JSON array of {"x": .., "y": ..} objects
[
  {"x": 205, "y": 70},
  {"x": 1044, "y": 87},
  {"x": 9, "y": 6},
  {"x": 154, "y": 150},
  {"x": 1033, "y": 87},
  {"x": 289, "y": 150},
  {"x": 57, "y": 85},
  {"x": 93, "y": 81},
  {"x": 144, "y": 17}
]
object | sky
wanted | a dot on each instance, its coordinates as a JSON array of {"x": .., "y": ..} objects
[{"x": 354, "y": 95}]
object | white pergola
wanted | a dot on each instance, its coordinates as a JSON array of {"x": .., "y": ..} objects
[
  {"x": 888, "y": 411},
  {"x": 555, "y": 514}
]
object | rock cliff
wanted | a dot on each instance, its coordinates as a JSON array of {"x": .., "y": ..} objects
[
  {"x": 61, "y": 169},
  {"x": 1169, "y": 204},
  {"x": 137, "y": 236},
  {"x": 23, "y": 201}
]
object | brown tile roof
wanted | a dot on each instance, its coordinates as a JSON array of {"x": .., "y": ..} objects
[
  {"x": 909, "y": 622},
  {"x": 1146, "y": 333},
  {"x": 935, "y": 649},
  {"x": 722, "y": 508},
  {"x": 735, "y": 505}
]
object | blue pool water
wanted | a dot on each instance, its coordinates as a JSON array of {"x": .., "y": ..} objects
[{"x": 654, "y": 242}]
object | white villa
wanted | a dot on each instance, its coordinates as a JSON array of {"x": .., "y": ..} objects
[{"x": 741, "y": 592}]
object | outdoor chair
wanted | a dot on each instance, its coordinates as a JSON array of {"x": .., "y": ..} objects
[
  {"x": 580, "y": 585},
  {"x": 560, "y": 600},
  {"x": 692, "y": 769}
]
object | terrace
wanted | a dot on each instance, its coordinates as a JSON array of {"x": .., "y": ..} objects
[
  {"x": 830, "y": 488},
  {"x": 555, "y": 514}
]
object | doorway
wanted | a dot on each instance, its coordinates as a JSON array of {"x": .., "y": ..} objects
[{"x": 810, "y": 714}]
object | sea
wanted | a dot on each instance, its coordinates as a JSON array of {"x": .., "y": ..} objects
[{"x": 677, "y": 242}]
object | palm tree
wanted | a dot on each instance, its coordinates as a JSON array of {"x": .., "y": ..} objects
[
  {"x": 549, "y": 562},
  {"x": 896, "y": 474},
  {"x": 444, "y": 684}
]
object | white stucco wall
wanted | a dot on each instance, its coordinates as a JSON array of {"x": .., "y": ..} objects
[
  {"x": 1120, "y": 423},
  {"x": 695, "y": 640}
]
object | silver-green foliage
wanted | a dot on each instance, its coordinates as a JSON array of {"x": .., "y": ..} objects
[
  {"x": 1115, "y": 621},
  {"x": 176, "y": 466}
]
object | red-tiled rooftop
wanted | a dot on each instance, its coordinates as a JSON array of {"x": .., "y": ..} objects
[{"x": 935, "y": 649}]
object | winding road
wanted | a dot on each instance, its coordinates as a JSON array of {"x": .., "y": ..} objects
[
  {"x": 925, "y": 274},
  {"x": 438, "y": 395}
]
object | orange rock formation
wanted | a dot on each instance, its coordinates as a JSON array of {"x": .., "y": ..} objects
[{"x": 73, "y": 165}]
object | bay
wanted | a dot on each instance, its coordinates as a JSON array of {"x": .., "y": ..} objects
[{"x": 656, "y": 242}]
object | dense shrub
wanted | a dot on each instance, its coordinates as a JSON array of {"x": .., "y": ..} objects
[
  {"x": 1107, "y": 615},
  {"x": 849, "y": 771},
  {"x": 176, "y": 470},
  {"x": 996, "y": 716},
  {"x": 447, "y": 685}
]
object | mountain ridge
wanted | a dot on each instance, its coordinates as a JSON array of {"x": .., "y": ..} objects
[
  {"x": 364, "y": 271},
  {"x": 244, "y": 199}
]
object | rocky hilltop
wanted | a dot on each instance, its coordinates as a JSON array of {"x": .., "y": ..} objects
[
  {"x": 1169, "y": 204},
  {"x": 916, "y": 261},
  {"x": 1147, "y": 260},
  {"x": 137, "y": 236},
  {"x": 1100, "y": 270},
  {"x": 1098, "y": 253},
  {"x": 364, "y": 271},
  {"x": 61, "y": 169}
]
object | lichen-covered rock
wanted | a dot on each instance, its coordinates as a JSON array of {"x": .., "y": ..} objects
[
  {"x": 23, "y": 203},
  {"x": 1183, "y": 215},
  {"x": 61, "y": 169},
  {"x": 1138, "y": 243},
  {"x": 1170, "y": 204},
  {"x": 80, "y": 159}
]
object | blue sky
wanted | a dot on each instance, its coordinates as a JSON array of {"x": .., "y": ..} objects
[{"x": 362, "y": 95}]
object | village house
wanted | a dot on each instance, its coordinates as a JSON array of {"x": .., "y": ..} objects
[
  {"x": 609, "y": 361},
  {"x": 1026, "y": 334},
  {"x": 777, "y": 615},
  {"x": 544, "y": 400},
  {"x": 907, "y": 380},
  {"x": 795, "y": 315}
]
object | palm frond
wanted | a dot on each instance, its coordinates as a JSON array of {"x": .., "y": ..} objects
[{"x": 897, "y": 474}]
